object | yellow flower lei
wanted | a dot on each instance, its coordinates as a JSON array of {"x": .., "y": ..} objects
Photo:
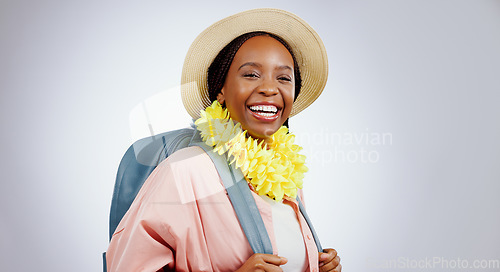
[{"x": 275, "y": 172}]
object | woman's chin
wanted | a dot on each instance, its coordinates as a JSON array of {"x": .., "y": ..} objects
[
  {"x": 262, "y": 133},
  {"x": 261, "y": 129}
]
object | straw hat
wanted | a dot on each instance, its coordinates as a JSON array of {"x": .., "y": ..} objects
[{"x": 306, "y": 45}]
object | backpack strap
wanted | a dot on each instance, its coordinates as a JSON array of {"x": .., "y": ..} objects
[{"x": 243, "y": 202}]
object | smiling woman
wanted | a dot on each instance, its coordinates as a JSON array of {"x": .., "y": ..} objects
[{"x": 241, "y": 89}]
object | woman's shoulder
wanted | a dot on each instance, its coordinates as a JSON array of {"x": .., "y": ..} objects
[
  {"x": 191, "y": 172},
  {"x": 188, "y": 157},
  {"x": 190, "y": 163}
]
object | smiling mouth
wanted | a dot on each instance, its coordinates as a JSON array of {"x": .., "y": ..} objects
[{"x": 265, "y": 112}]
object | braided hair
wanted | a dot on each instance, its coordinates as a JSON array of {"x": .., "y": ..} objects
[{"x": 217, "y": 71}]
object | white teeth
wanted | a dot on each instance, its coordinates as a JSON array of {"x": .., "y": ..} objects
[
  {"x": 266, "y": 109},
  {"x": 266, "y": 114}
]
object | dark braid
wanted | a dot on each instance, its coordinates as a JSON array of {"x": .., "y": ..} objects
[{"x": 219, "y": 68}]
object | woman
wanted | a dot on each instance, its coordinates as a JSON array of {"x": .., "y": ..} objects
[{"x": 243, "y": 75}]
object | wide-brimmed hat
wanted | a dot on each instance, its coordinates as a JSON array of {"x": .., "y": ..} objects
[{"x": 306, "y": 45}]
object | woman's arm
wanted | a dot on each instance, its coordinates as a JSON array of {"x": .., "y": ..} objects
[
  {"x": 140, "y": 243},
  {"x": 163, "y": 226}
]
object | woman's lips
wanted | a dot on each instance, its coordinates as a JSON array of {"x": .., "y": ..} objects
[{"x": 266, "y": 113}]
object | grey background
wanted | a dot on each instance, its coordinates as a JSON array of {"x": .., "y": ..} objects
[{"x": 423, "y": 73}]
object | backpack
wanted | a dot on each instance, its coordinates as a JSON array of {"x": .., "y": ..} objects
[{"x": 143, "y": 157}]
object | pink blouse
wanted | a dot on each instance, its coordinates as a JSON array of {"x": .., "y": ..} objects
[{"x": 182, "y": 219}]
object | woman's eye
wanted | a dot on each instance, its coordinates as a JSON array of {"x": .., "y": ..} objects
[
  {"x": 251, "y": 75},
  {"x": 284, "y": 78}
]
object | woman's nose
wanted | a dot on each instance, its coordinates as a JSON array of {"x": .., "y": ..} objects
[{"x": 268, "y": 88}]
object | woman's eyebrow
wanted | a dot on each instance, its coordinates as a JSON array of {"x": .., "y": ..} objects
[
  {"x": 258, "y": 65},
  {"x": 283, "y": 67},
  {"x": 255, "y": 64}
]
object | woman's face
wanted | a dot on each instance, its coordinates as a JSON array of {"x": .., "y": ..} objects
[{"x": 260, "y": 86}]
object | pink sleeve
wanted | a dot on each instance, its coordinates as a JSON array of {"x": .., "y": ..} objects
[{"x": 153, "y": 233}]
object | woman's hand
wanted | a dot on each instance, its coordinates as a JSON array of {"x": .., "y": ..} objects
[
  {"x": 329, "y": 261},
  {"x": 263, "y": 262}
]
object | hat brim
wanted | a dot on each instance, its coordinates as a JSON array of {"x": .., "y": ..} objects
[{"x": 306, "y": 45}]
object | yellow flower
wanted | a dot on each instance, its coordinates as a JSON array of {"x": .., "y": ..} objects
[{"x": 276, "y": 172}]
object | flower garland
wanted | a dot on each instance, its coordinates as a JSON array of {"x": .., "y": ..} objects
[{"x": 275, "y": 171}]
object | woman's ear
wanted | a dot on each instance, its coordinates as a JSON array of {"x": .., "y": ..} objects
[{"x": 220, "y": 97}]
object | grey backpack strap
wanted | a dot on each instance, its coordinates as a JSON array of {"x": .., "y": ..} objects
[
  {"x": 243, "y": 202},
  {"x": 309, "y": 223}
]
